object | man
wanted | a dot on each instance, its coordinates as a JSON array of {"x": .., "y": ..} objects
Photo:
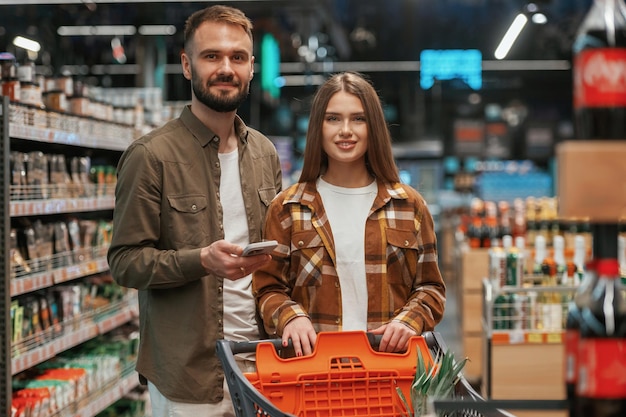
[{"x": 189, "y": 195}]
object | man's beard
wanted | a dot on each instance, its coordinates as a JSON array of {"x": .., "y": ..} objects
[{"x": 219, "y": 103}]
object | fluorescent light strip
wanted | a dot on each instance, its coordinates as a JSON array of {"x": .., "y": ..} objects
[
  {"x": 150, "y": 30},
  {"x": 510, "y": 36},
  {"x": 27, "y": 44},
  {"x": 107, "y": 30}
]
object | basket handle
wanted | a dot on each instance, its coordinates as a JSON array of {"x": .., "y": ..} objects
[{"x": 250, "y": 346}]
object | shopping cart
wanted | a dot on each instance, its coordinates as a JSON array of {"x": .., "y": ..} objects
[{"x": 344, "y": 376}]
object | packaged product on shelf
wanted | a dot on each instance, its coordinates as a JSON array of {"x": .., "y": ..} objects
[
  {"x": 18, "y": 264},
  {"x": 59, "y": 177},
  {"x": 88, "y": 230},
  {"x": 53, "y": 306},
  {"x": 40, "y": 395},
  {"x": 30, "y": 93},
  {"x": 37, "y": 174},
  {"x": 62, "y": 248},
  {"x": 55, "y": 100},
  {"x": 81, "y": 184},
  {"x": 73, "y": 228},
  {"x": 18, "y": 176},
  {"x": 44, "y": 236}
]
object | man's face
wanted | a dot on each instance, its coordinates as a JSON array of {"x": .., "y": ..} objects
[{"x": 219, "y": 65}]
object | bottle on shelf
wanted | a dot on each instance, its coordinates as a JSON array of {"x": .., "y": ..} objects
[
  {"x": 573, "y": 319},
  {"x": 621, "y": 249},
  {"x": 519, "y": 219},
  {"x": 490, "y": 231},
  {"x": 531, "y": 220},
  {"x": 550, "y": 301},
  {"x": 580, "y": 255},
  {"x": 601, "y": 386},
  {"x": 558, "y": 247},
  {"x": 599, "y": 68},
  {"x": 475, "y": 227}
]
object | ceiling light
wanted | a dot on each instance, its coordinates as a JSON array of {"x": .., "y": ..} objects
[
  {"x": 106, "y": 30},
  {"x": 149, "y": 30},
  {"x": 28, "y": 44},
  {"x": 539, "y": 19},
  {"x": 510, "y": 36}
]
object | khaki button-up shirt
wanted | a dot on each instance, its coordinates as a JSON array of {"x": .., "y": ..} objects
[{"x": 167, "y": 209}]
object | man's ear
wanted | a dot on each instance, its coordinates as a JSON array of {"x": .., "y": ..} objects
[{"x": 184, "y": 60}]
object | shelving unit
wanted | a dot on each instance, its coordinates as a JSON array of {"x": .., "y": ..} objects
[
  {"x": 523, "y": 361},
  {"x": 31, "y": 128}
]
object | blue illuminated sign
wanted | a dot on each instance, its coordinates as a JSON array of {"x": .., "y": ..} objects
[{"x": 448, "y": 64}]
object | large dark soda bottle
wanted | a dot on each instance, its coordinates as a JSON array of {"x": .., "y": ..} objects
[
  {"x": 599, "y": 68},
  {"x": 572, "y": 334},
  {"x": 601, "y": 385}
]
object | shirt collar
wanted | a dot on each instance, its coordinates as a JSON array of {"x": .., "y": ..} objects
[
  {"x": 205, "y": 135},
  {"x": 304, "y": 193}
]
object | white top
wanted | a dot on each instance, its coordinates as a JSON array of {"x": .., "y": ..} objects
[
  {"x": 239, "y": 307},
  {"x": 347, "y": 210}
]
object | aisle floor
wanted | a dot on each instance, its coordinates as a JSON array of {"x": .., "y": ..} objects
[{"x": 449, "y": 327}]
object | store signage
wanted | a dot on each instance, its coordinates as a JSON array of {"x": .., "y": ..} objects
[{"x": 449, "y": 64}]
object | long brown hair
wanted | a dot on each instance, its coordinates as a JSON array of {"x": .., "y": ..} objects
[
  {"x": 217, "y": 13},
  {"x": 379, "y": 157}
]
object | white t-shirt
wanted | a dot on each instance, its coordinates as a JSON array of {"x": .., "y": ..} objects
[
  {"x": 239, "y": 307},
  {"x": 347, "y": 210}
]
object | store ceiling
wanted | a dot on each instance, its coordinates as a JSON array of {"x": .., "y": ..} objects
[{"x": 355, "y": 30}]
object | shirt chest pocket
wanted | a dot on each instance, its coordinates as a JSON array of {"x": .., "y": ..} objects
[
  {"x": 187, "y": 222},
  {"x": 308, "y": 255},
  {"x": 403, "y": 253}
]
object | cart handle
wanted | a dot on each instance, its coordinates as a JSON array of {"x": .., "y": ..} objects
[{"x": 250, "y": 346}]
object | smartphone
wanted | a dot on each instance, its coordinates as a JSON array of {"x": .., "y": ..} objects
[{"x": 266, "y": 246}]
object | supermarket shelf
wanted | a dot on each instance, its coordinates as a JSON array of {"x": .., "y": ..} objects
[
  {"x": 61, "y": 205},
  {"x": 34, "y": 282},
  {"x": 516, "y": 337},
  {"x": 88, "y": 327},
  {"x": 73, "y": 130},
  {"x": 111, "y": 394}
]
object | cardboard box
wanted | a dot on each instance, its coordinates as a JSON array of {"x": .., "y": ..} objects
[
  {"x": 474, "y": 268},
  {"x": 591, "y": 180}
]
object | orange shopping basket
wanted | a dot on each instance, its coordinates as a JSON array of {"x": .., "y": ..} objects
[{"x": 344, "y": 376}]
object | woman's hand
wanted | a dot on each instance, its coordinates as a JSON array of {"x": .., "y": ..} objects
[
  {"x": 396, "y": 336},
  {"x": 302, "y": 335}
]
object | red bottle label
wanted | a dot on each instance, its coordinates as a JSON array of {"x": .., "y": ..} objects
[
  {"x": 602, "y": 368},
  {"x": 600, "y": 78},
  {"x": 571, "y": 353}
]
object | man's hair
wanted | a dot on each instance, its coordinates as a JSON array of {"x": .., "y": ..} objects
[{"x": 217, "y": 13}]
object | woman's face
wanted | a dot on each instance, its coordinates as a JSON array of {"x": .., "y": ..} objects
[{"x": 344, "y": 130}]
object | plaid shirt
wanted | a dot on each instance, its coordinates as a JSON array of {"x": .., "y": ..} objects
[{"x": 403, "y": 278}]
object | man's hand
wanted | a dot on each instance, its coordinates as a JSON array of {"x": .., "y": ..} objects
[{"x": 224, "y": 259}]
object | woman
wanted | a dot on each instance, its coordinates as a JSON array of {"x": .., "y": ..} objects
[{"x": 357, "y": 249}]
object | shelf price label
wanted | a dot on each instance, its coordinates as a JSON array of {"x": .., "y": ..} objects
[{"x": 554, "y": 338}]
